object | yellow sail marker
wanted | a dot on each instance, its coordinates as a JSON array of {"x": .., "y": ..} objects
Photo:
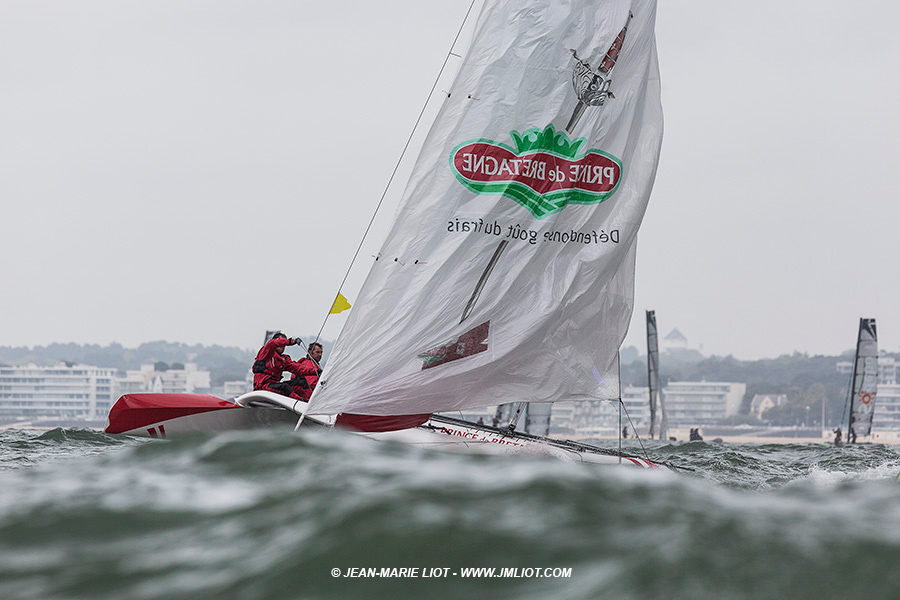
[{"x": 340, "y": 304}]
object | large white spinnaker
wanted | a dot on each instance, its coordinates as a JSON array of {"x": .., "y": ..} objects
[
  {"x": 508, "y": 274},
  {"x": 864, "y": 387}
]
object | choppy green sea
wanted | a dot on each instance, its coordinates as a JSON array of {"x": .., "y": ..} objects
[{"x": 273, "y": 515}]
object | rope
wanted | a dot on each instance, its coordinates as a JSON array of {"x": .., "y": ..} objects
[{"x": 400, "y": 160}]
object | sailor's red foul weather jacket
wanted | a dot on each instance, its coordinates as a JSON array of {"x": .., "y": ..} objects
[
  {"x": 304, "y": 384},
  {"x": 269, "y": 365}
]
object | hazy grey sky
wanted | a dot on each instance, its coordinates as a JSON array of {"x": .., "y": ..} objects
[{"x": 202, "y": 171}]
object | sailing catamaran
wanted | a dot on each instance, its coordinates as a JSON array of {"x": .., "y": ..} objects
[
  {"x": 508, "y": 273},
  {"x": 864, "y": 382}
]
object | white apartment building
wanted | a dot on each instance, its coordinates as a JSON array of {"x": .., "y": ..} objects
[
  {"x": 637, "y": 406},
  {"x": 76, "y": 392},
  {"x": 562, "y": 418},
  {"x": 687, "y": 404},
  {"x": 887, "y": 408},
  {"x": 188, "y": 380},
  {"x": 886, "y": 419},
  {"x": 888, "y": 370},
  {"x": 601, "y": 417},
  {"x": 233, "y": 389},
  {"x": 694, "y": 404}
]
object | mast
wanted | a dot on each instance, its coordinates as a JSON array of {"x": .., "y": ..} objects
[
  {"x": 652, "y": 368},
  {"x": 850, "y": 392},
  {"x": 663, "y": 419}
]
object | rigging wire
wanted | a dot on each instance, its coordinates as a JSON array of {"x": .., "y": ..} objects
[
  {"x": 623, "y": 408},
  {"x": 850, "y": 393},
  {"x": 847, "y": 403},
  {"x": 634, "y": 429},
  {"x": 391, "y": 180},
  {"x": 399, "y": 161}
]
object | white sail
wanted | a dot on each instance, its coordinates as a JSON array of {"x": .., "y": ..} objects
[
  {"x": 508, "y": 274},
  {"x": 864, "y": 386}
]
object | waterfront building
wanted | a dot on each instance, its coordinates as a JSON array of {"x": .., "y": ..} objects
[
  {"x": 600, "y": 418},
  {"x": 134, "y": 382},
  {"x": 637, "y": 408},
  {"x": 763, "y": 402},
  {"x": 562, "y": 418},
  {"x": 887, "y": 409},
  {"x": 188, "y": 380},
  {"x": 687, "y": 404},
  {"x": 233, "y": 389},
  {"x": 886, "y": 418},
  {"x": 887, "y": 369},
  {"x": 698, "y": 403},
  {"x": 65, "y": 392},
  {"x": 675, "y": 341}
]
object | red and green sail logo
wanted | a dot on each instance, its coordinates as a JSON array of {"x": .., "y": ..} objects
[{"x": 544, "y": 172}]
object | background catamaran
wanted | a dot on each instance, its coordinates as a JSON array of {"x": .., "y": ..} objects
[
  {"x": 863, "y": 383},
  {"x": 521, "y": 214}
]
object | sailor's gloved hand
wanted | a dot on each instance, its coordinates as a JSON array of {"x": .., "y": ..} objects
[{"x": 294, "y": 341}]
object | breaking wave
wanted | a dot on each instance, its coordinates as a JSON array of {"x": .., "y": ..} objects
[{"x": 265, "y": 515}]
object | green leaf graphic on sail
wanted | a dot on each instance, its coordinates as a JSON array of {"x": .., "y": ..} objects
[{"x": 544, "y": 173}]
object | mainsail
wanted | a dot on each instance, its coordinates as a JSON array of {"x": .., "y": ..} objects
[
  {"x": 508, "y": 273},
  {"x": 864, "y": 386}
]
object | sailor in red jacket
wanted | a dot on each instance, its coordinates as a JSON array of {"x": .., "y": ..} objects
[
  {"x": 271, "y": 363},
  {"x": 305, "y": 384}
]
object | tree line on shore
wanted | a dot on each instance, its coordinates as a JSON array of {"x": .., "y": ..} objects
[
  {"x": 225, "y": 363},
  {"x": 806, "y": 381}
]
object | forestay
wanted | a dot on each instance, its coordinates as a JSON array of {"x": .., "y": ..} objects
[{"x": 508, "y": 274}]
